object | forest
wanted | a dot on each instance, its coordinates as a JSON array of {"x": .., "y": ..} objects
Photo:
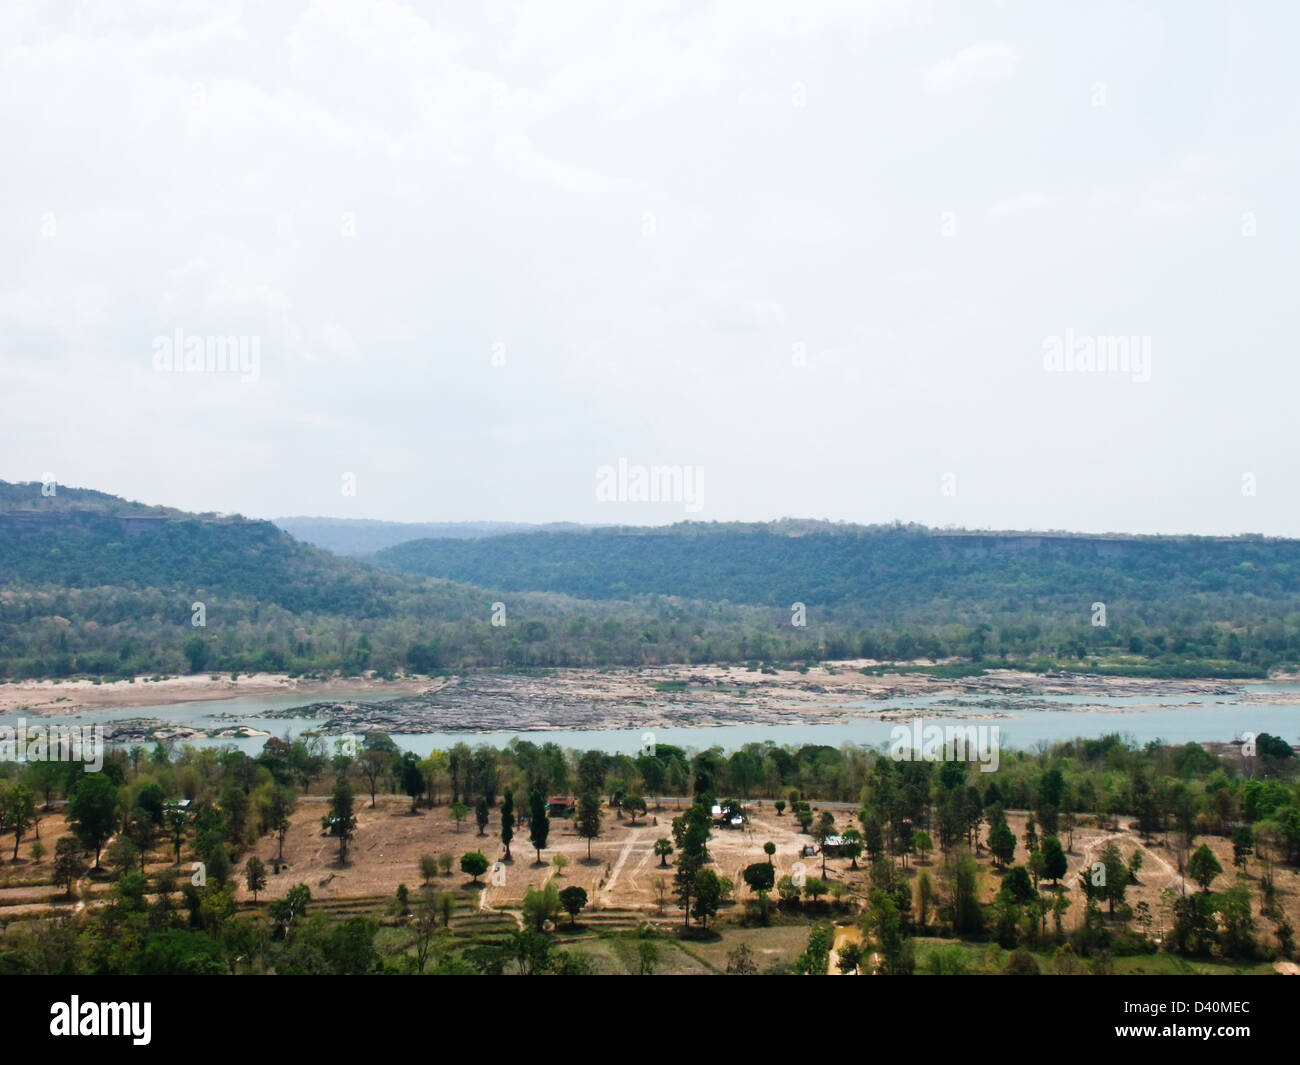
[{"x": 92, "y": 585}]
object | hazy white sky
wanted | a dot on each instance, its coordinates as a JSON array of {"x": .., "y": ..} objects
[{"x": 817, "y": 249}]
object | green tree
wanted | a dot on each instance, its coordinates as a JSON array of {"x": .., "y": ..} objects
[
  {"x": 923, "y": 844},
  {"x": 663, "y": 848},
  {"x": 255, "y": 875},
  {"x": 279, "y": 808},
  {"x": 635, "y": 805},
  {"x": 428, "y": 867},
  {"x": 708, "y": 896},
  {"x": 886, "y": 928},
  {"x": 1055, "y": 864},
  {"x": 1203, "y": 867},
  {"x": 539, "y": 824},
  {"x": 507, "y": 820},
  {"x": 474, "y": 864},
  {"x": 573, "y": 899},
  {"x": 589, "y": 818},
  {"x": 816, "y": 954},
  {"x": 19, "y": 813},
  {"x": 1001, "y": 842},
  {"x": 92, "y": 811},
  {"x": 67, "y": 863},
  {"x": 342, "y": 821},
  {"x": 1243, "y": 846},
  {"x": 541, "y": 904}
]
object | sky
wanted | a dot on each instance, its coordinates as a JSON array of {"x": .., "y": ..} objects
[{"x": 847, "y": 260}]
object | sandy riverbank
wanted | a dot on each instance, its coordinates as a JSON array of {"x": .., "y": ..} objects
[
  {"x": 72, "y": 696},
  {"x": 617, "y": 697}
]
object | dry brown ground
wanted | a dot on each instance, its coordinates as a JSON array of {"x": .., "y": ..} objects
[
  {"x": 619, "y": 876},
  {"x": 390, "y": 841}
]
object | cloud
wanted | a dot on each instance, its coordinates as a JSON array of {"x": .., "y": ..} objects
[{"x": 983, "y": 62}]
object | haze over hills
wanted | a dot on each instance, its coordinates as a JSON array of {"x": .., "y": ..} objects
[{"x": 93, "y": 584}]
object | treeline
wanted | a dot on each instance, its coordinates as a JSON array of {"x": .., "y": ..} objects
[
  {"x": 94, "y": 586},
  {"x": 903, "y": 812}
]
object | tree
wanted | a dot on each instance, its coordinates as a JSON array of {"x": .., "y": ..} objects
[
  {"x": 825, "y": 830},
  {"x": 541, "y": 904},
  {"x": 474, "y": 864},
  {"x": 481, "y": 814},
  {"x": 885, "y": 926},
  {"x": 140, "y": 830},
  {"x": 285, "y": 911},
  {"x": 539, "y": 824},
  {"x": 635, "y": 805},
  {"x": 850, "y": 960},
  {"x": 769, "y": 848},
  {"x": 1203, "y": 867},
  {"x": 342, "y": 821},
  {"x": 255, "y": 875},
  {"x": 67, "y": 863},
  {"x": 691, "y": 835},
  {"x": 1001, "y": 842},
  {"x": 177, "y": 822},
  {"x": 373, "y": 761},
  {"x": 851, "y": 848},
  {"x": 19, "y": 813},
  {"x": 507, "y": 820},
  {"x": 966, "y": 913},
  {"x": 923, "y": 844},
  {"x": 424, "y": 927},
  {"x": 92, "y": 811},
  {"x": 761, "y": 878},
  {"x": 647, "y": 957},
  {"x": 1055, "y": 864},
  {"x": 412, "y": 778},
  {"x": 278, "y": 810},
  {"x": 1243, "y": 846},
  {"x": 816, "y": 954},
  {"x": 561, "y": 863},
  {"x": 573, "y": 899},
  {"x": 663, "y": 848},
  {"x": 589, "y": 818},
  {"x": 708, "y": 895},
  {"x": 1016, "y": 885},
  {"x": 428, "y": 867},
  {"x": 1117, "y": 876},
  {"x": 459, "y": 811},
  {"x": 924, "y": 898}
]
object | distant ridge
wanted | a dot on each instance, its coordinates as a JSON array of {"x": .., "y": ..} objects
[{"x": 365, "y": 536}]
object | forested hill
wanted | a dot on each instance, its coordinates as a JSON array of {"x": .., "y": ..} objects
[
  {"x": 95, "y": 585},
  {"x": 360, "y": 536},
  {"x": 892, "y": 572},
  {"x": 91, "y": 584},
  {"x": 1023, "y": 591}
]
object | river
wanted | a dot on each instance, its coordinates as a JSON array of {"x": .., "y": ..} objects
[{"x": 1024, "y": 722}]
